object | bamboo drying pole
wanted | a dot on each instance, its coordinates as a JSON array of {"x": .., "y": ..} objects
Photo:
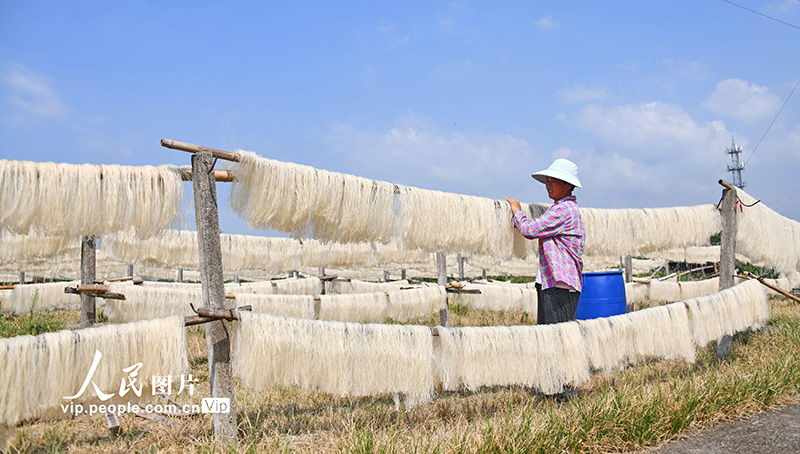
[
  {"x": 183, "y": 146},
  {"x": 213, "y": 289},
  {"x": 222, "y": 175},
  {"x": 749, "y": 275}
]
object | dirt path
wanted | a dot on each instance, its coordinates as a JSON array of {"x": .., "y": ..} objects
[{"x": 774, "y": 431}]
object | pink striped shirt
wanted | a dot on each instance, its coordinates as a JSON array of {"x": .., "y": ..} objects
[{"x": 561, "y": 238}]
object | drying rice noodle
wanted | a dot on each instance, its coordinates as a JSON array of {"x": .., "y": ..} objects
[
  {"x": 40, "y": 371},
  {"x": 637, "y": 231},
  {"x": 415, "y": 304},
  {"x": 732, "y": 310},
  {"x": 152, "y": 302},
  {"x": 343, "y": 359},
  {"x": 636, "y": 292},
  {"x": 49, "y": 296},
  {"x": 24, "y": 249},
  {"x": 356, "y": 307},
  {"x": 73, "y": 200},
  {"x": 494, "y": 297},
  {"x": 765, "y": 237},
  {"x": 342, "y": 287},
  {"x": 664, "y": 291},
  {"x": 298, "y": 306},
  {"x": 693, "y": 289},
  {"x": 545, "y": 357}
]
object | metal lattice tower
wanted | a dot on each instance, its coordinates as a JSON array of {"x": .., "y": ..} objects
[{"x": 736, "y": 166}]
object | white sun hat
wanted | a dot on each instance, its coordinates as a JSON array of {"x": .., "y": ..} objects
[{"x": 563, "y": 169}]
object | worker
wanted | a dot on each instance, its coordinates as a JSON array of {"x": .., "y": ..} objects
[{"x": 561, "y": 238}]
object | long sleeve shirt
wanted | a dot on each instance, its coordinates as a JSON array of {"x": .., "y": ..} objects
[{"x": 561, "y": 236}]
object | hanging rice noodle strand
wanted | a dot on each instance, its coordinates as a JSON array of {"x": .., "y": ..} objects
[
  {"x": 40, "y": 371},
  {"x": 73, "y": 200},
  {"x": 343, "y": 359}
]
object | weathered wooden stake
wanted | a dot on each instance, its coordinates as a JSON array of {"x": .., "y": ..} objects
[
  {"x": 180, "y": 274},
  {"x": 385, "y": 276},
  {"x": 130, "y": 269},
  {"x": 320, "y": 274},
  {"x": 403, "y": 274},
  {"x": 88, "y": 274},
  {"x": 22, "y": 277},
  {"x": 441, "y": 267},
  {"x": 213, "y": 290},
  {"x": 460, "y": 260},
  {"x": 727, "y": 256},
  {"x": 628, "y": 268}
]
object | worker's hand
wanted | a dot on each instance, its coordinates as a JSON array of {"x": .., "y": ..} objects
[{"x": 514, "y": 204}]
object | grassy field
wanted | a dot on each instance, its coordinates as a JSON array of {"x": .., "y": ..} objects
[{"x": 642, "y": 406}]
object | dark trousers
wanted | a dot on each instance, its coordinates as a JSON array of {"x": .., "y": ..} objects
[{"x": 556, "y": 305}]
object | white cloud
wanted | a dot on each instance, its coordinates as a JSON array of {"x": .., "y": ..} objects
[
  {"x": 581, "y": 94},
  {"x": 649, "y": 155},
  {"x": 545, "y": 24},
  {"x": 416, "y": 153},
  {"x": 32, "y": 93},
  {"x": 747, "y": 103}
]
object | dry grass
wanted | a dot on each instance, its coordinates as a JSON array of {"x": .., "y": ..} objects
[{"x": 642, "y": 406}]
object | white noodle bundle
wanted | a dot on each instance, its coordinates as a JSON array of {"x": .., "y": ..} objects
[
  {"x": 693, "y": 289},
  {"x": 664, "y": 291},
  {"x": 44, "y": 297},
  {"x": 298, "y": 306},
  {"x": 178, "y": 249},
  {"x": 415, "y": 304},
  {"x": 732, "y": 310},
  {"x": 657, "y": 333},
  {"x": 297, "y": 286},
  {"x": 6, "y": 300},
  {"x": 356, "y": 307},
  {"x": 615, "y": 232},
  {"x": 306, "y": 201},
  {"x": 499, "y": 297},
  {"x": 261, "y": 287},
  {"x": 16, "y": 248},
  {"x": 355, "y": 286},
  {"x": 72, "y": 200},
  {"x": 333, "y": 206},
  {"x": 636, "y": 292},
  {"x": 447, "y": 222},
  {"x": 152, "y": 302},
  {"x": 39, "y": 372},
  {"x": 343, "y": 359},
  {"x": 601, "y": 342},
  {"x": 765, "y": 237},
  {"x": 546, "y": 357}
]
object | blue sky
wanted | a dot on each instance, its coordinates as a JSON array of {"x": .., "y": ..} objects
[{"x": 467, "y": 97}]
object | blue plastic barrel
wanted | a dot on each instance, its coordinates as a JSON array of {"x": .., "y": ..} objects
[{"x": 603, "y": 295}]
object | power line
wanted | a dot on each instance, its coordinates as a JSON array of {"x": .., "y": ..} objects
[
  {"x": 773, "y": 121},
  {"x": 761, "y": 14}
]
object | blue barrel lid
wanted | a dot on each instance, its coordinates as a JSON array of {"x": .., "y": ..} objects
[{"x": 600, "y": 273}]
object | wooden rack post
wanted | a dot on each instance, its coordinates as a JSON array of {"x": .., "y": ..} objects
[
  {"x": 727, "y": 254},
  {"x": 88, "y": 275},
  {"x": 441, "y": 266},
  {"x": 628, "y": 265},
  {"x": 213, "y": 290}
]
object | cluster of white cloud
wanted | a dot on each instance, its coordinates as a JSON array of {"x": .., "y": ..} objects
[
  {"x": 650, "y": 154},
  {"x": 31, "y": 94}
]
